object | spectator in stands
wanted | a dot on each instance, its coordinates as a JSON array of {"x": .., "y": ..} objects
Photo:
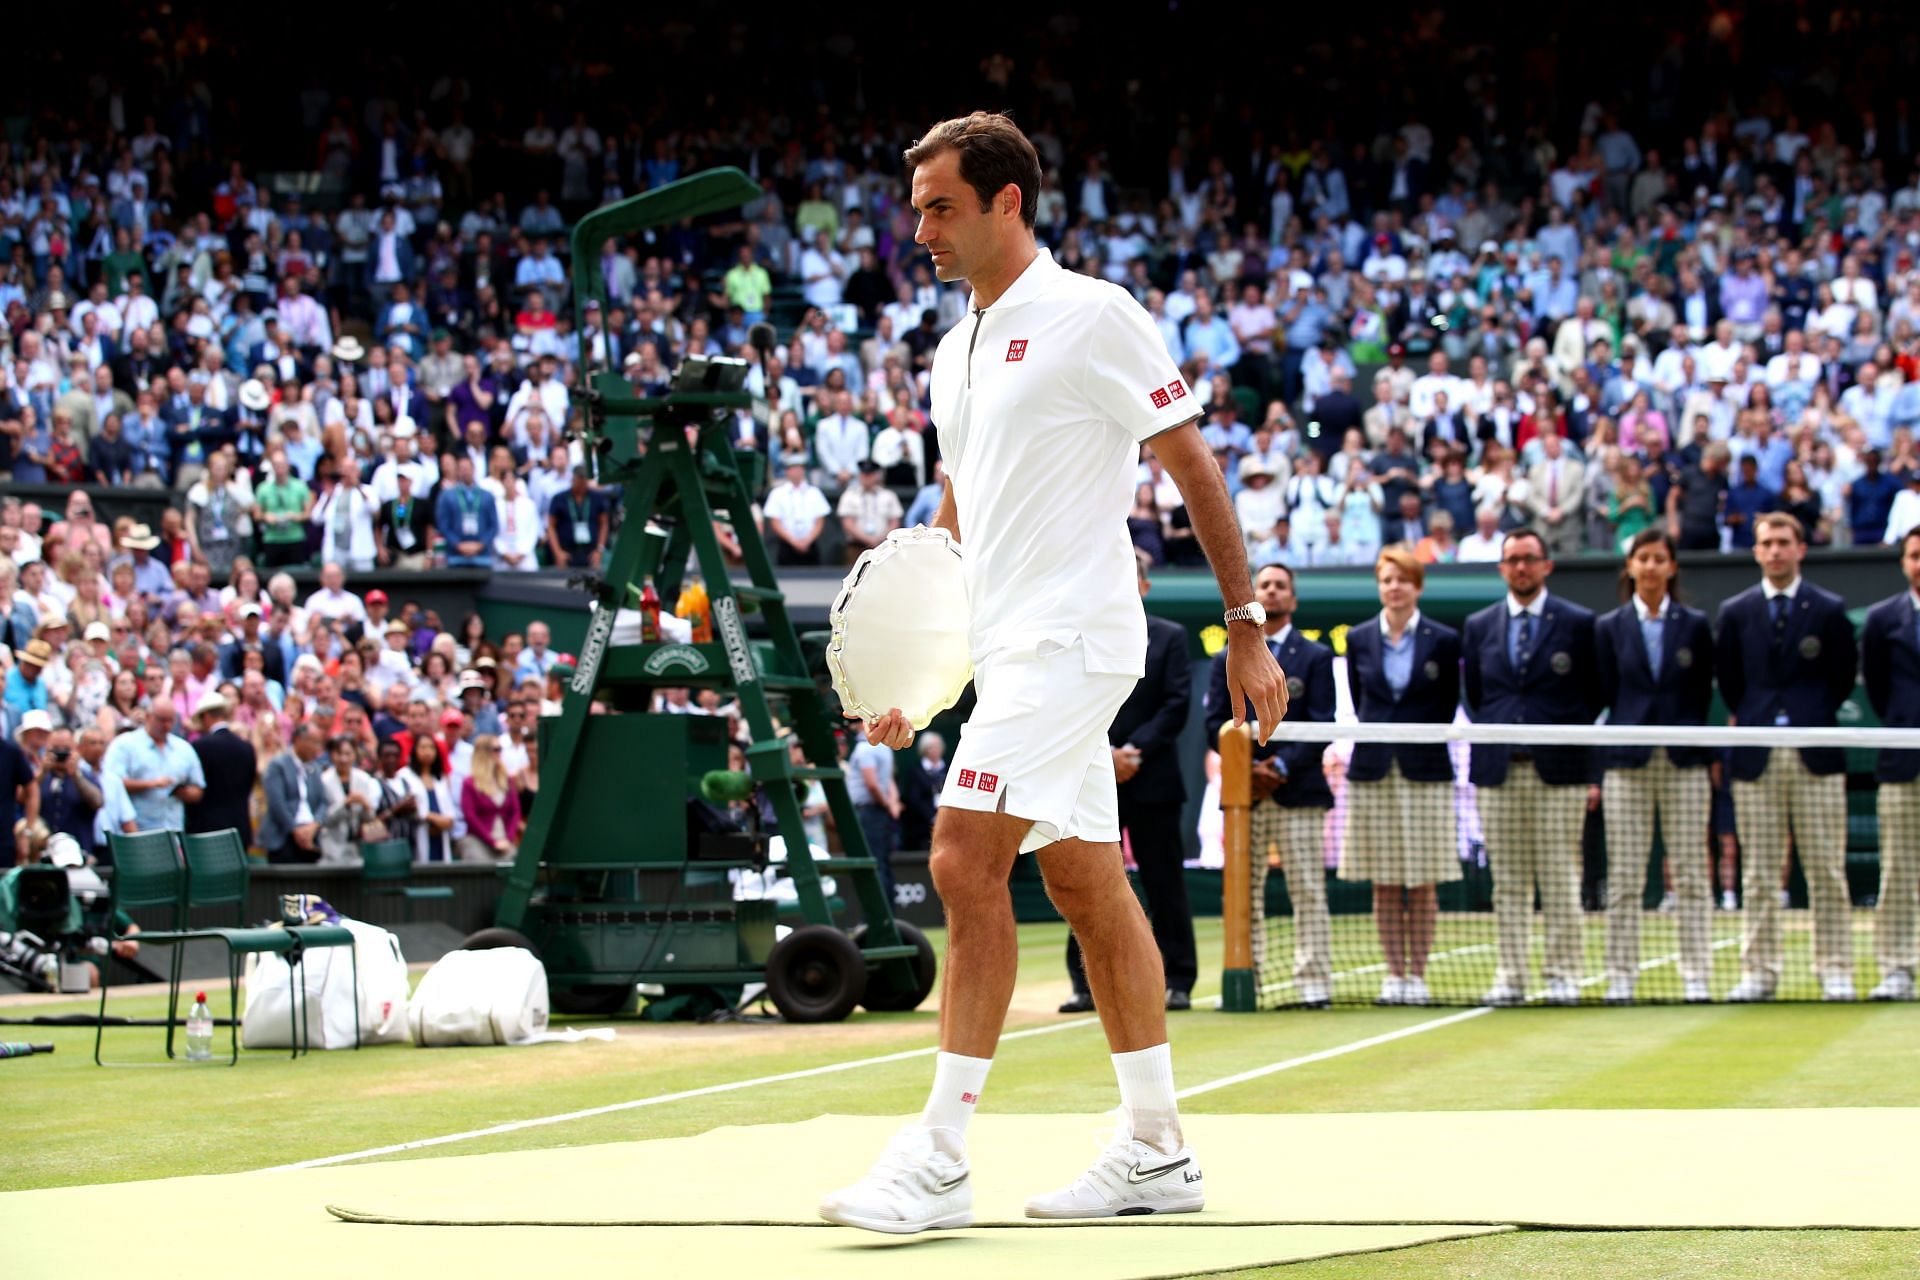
[
  {"x": 1697, "y": 501},
  {"x": 490, "y": 805},
  {"x": 466, "y": 519},
  {"x": 578, "y": 525},
  {"x": 160, "y": 772},
  {"x": 352, "y": 798},
  {"x": 229, "y": 765},
  {"x": 1870, "y": 500},
  {"x": 297, "y": 804},
  {"x": 868, "y": 512},
  {"x": 795, "y": 513}
]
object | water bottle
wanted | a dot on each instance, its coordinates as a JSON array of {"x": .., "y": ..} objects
[{"x": 199, "y": 1030}]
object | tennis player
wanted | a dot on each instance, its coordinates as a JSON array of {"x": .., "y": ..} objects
[{"x": 1042, "y": 397}]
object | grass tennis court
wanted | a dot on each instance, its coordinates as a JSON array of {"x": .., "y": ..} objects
[{"x": 70, "y": 1123}]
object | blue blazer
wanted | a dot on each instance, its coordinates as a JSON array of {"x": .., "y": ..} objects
[
  {"x": 1309, "y": 671},
  {"x": 1806, "y": 678},
  {"x": 1431, "y": 697},
  {"x": 1154, "y": 714},
  {"x": 1890, "y": 665},
  {"x": 1559, "y": 686},
  {"x": 1682, "y": 693}
]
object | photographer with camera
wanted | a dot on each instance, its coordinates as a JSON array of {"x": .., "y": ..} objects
[{"x": 68, "y": 800}]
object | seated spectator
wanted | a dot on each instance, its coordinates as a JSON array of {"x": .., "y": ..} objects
[{"x": 352, "y": 799}]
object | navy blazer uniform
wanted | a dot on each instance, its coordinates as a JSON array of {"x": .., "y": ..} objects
[
  {"x": 1557, "y": 687},
  {"x": 1310, "y": 698},
  {"x": 1802, "y": 680},
  {"x": 1154, "y": 714},
  {"x": 1432, "y": 696},
  {"x": 1890, "y": 665},
  {"x": 1680, "y": 695}
]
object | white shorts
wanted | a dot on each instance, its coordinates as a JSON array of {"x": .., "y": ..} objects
[{"x": 1036, "y": 744}]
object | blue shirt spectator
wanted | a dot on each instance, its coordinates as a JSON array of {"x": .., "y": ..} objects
[
  {"x": 1748, "y": 498},
  {"x": 161, "y": 772}
]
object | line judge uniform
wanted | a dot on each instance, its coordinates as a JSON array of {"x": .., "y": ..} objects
[
  {"x": 1400, "y": 813},
  {"x": 1150, "y": 801},
  {"x": 1656, "y": 668},
  {"x": 1293, "y": 819},
  {"x": 1041, "y": 402},
  {"x": 1890, "y": 665},
  {"x": 1786, "y": 656},
  {"x": 1532, "y": 664}
]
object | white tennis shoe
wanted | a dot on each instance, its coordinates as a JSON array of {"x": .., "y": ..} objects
[
  {"x": 1751, "y": 989},
  {"x": 1838, "y": 987},
  {"x": 1695, "y": 991},
  {"x": 914, "y": 1186},
  {"x": 1414, "y": 991},
  {"x": 1897, "y": 985},
  {"x": 1392, "y": 991},
  {"x": 1130, "y": 1179}
]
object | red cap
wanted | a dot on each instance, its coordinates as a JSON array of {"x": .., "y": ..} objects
[
  {"x": 376, "y": 596},
  {"x": 451, "y": 717},
  {"x": 199, "y": 997}
]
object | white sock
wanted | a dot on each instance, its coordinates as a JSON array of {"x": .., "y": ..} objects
[
  {"x": 1146, "y": 1091},
  {"x": 957, "y": 1084}
]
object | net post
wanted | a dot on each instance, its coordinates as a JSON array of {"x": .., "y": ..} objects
[{"x": 1238, "y": 992}]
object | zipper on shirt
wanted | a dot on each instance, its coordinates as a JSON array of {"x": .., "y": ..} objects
[{"x": 971, "y": 339}]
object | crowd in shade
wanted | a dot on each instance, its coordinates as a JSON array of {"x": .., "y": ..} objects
[{"x": 338, "y": 331}]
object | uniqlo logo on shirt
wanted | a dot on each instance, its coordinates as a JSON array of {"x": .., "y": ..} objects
[
  {"x": 988, "y": 781},
  {"x": 1016, "y": 350},
  {"x": 1177, "y": 389},
  {"x": 966, "y": 777},
  {"x": 969, "y": 1098},
  {"x": 1160, "y": 398}
]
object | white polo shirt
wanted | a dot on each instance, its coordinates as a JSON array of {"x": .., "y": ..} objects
[{"x": 1041, "y": 402}]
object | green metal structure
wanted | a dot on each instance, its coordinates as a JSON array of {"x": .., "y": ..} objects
[{"x": 614, "y": 884}]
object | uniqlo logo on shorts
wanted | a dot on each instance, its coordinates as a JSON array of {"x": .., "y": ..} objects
[
  {"x": 966, "y": 777},
  {"x": 1016, "y": 350},
  {"x": 988, "y": 781},
  {"x": 1177, "y": 389},
  {"x": 1160, "y": 398}
]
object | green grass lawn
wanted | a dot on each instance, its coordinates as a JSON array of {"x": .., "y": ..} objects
[{"x": 68, "y": 1122}]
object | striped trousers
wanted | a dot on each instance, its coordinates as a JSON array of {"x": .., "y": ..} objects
[
  {"x": 1893, "y": 919},
  {"x": 1533, "y": 840},
  {"x": 1786, "y": 801},
  {"x": 1298, "y": 835},
  {"x": 1682, "y": 799}
]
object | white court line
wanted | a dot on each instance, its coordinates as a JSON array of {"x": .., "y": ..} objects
[{"x": 514, "y": 1126}]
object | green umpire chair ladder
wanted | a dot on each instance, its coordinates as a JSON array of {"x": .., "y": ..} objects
[
  {"x": 152, "y": 869},
  {"x": 612, "y": 884}
]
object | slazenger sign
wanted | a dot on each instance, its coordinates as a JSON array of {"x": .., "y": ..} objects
[
  {"x": 677, "y": 655},
  {"x": 590, "y": 653},
  {"x": 727, "y": 613}
]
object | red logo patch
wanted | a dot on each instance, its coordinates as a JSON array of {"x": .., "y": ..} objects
[
  {"x": 1177, "y": 389},
  {"x": 1016, "y": 350},
  {"x": 988, "y": 781},
  {"x": 966, "y": 777},
  {"x": 969, "y": 1098},
  {"x": 1160, "y": 398}
]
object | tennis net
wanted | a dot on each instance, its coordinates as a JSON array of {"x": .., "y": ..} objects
[{"x": 1586, "y": 865}]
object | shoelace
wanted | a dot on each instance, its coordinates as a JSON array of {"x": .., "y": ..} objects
[{"x": 902, "y": 1172}]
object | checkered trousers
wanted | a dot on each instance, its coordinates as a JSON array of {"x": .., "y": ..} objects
[
  {"x": 1788, "y": 801},
  {"x": 1680, "y": 799},
  {"x": 1298, "y": 835},
  {"x": 1533, "y": 840},
  {"x": 1893, "y": 919}
]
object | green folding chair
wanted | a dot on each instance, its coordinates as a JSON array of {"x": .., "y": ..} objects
[
  {"x": 151, "y": 870},
  {"x": 389, "y": 864}
]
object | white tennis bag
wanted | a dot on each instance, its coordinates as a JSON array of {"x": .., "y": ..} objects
[
  {"x": 267, "y": 1022},
  {"x": 498, "y": 996}
]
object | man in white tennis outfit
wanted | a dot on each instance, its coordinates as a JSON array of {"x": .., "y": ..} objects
[{"x": 1042, "y": 396}]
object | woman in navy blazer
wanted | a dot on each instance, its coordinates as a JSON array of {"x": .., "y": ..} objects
[
  {"x": 1400, "y": 813},
  {"x": 1655, "y": 660}
]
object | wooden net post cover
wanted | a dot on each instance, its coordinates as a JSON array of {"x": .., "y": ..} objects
[{"x": 1236, "y": 800}]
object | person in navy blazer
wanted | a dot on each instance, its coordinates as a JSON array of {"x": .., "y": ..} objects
[
  {"x": 1786, "y": 656},
  {"x": 1291, "y": 795},
  {"x": 1890, "y": 666},
  {"x": 1655, "y": 659},
  {"x": 1151, "y": 792},
  {"x": 1400, "y": 812},
  {"x": 1529, "y": 660}
]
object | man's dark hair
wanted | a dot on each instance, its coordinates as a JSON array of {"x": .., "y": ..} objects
[
  {"x": 993, "y": 155},
  {"x": 1528, "y": 532},
  {"x": 1274, "y": 565},
  {"x": 1907, "y": 537}
]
